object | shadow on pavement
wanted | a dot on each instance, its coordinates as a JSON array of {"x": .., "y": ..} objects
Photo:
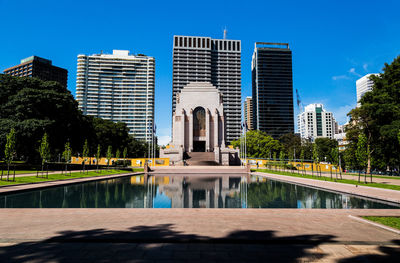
[{"x": 161, "y": 243}]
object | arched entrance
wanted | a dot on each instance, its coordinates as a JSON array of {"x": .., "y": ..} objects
[{"x": 199, "y": 130}]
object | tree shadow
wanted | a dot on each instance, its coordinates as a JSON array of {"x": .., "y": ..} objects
[
  {"x": 388, "y": 254},
  {"x": 161, "y": 243}
]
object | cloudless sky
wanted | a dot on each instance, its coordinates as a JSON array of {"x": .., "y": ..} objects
[{"x": 333, "y": 42}]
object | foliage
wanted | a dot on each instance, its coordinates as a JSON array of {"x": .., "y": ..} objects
[
  {"x": 98, "y": 154},
  {"x": 324, "y": 148},
  {"x": 361, "y": 152},
  {"x": 315, "y": 153},
  {"x": 9, "y": 151},
  {"x": 109, "y": 154},
  {"x": 117, "y": 154},
  {"x": 44, "y": 149},
  {"x": 85, "y": 151},
  {"x": 378, "y": 118},
  {"x": 67, "y": 152},
  {"x": 32, "y": 106},
  {"x": 125, "y": 153},
  {"x": 291, "y": 144},
  {"x": 259, "y": 144}
]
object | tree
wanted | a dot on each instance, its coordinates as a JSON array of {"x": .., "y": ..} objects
[
  {"x": 362, "y": 155},
  {"x": 44, "y": 150},
  {"x": 124, "y": 155},
  {"x": 282, "y": 159},
  {"x": 98, "y": 156},
  {"x": 325, "y": 146},
  {"x": 315, "y": 156},
  {"x": 109, "y": 155},
  {"x": 117, "y": 154},
  {"x": 31, "y": 106},
  {"x": 67, "y": 155},
  {"x": 85, "y": 153},
  {"x": 335, "y": 159},
  {"x": 378, "y": 118},
  {"x": 302, "y": 161},
  {"x": 9, "y": 151},
  {"x": 259, "y": 144},
  {"x": 291, "y": 143}
]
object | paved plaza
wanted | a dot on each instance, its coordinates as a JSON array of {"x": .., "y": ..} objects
[{"x": 201, "y": 235}]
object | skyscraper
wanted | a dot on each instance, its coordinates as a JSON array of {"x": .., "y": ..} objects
[
  {"x": 272, "y": 88},
  {"x": 41, "y": 68},
  {"x": 248, "y": 112},
  {"x": 118, "y": 87},
  {"x": 363, "y": 85},
  {"x": 315, "y": 122},
  {"x": 218, "y": 61}
]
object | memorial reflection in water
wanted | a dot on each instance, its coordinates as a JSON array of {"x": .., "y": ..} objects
[{"x": 186, "y": 191}]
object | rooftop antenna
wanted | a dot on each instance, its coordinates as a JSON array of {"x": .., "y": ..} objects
[{"x": 225, "y": 31}]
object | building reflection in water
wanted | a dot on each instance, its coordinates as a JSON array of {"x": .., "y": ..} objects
[
  {"x": 200, "y": 191},
  {"x": 184, "y": 191}
]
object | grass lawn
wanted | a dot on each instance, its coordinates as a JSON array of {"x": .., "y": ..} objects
[
  {"x": 323, "y": 178},
  {"x": 392, "y": 221},
  {"x": 53, "y": 177},
  {"x": 19, "y": 172}
]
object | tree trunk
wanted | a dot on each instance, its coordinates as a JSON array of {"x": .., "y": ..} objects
[
  {"x": 331, "y": 172},
  {"x": 14, "y": 174},
  {"x": 8, "y": 170},
  {"x": 359, "y": 175},
  {"x": 365, "y": 176},
  {"x": 370, "y": 174},
  {"x": 312, "y": 169}
]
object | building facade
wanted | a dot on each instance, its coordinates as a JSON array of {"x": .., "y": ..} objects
[
  {"x": 363, "y": 85},
  {"x": 315, "y": 122},
  {"x": 218, "y": 61},
  {"x": 248, "y": 112},
  {"x": 198, "y": 124},
  {"x": 272, "y": 87},
  {"x": 118, "y": 87},
  {"x": 41, "y": 68}
]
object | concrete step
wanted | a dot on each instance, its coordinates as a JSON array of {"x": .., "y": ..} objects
[{"x": 201, "y": 159}]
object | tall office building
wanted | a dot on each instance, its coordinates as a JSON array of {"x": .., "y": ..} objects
[
  {"x": 248, "y": 112},
  {"x": 363, "y": 85},
  {"x": 315, "y": 122},
  {"x": 218, "y": 61},
  {"x": 118, "y": 87},
  {"x": 272, "y": 88},
  {"x": 41, "y": 68}
]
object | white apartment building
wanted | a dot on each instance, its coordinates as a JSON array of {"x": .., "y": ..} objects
[
  {"x": 118, "y": 87},
  {"x": 315, "y": 122},
  {"x": 363, "y": 85}
]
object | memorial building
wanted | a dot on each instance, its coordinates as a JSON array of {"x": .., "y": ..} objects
[{"x": 198, "y": 126}]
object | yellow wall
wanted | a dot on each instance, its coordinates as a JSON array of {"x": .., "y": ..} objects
[
  {"x": 136, "y": 162},
  {"x": 307, "y": 166}
]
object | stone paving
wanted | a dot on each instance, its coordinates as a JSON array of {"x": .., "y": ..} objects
[
  {"x": 32, "y": 186},
  {"x": 201, "y": 235},
  {"x": 195, "y": 235},
  {"x": 364, "y": 191},
  {"x": 392, "y": 181}
]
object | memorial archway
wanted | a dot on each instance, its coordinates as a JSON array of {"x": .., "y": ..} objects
[{"x": 199, "y": 129}]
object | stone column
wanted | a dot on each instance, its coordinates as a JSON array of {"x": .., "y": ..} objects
[
  {"x": 216, "y": 129},
  {"x": 191, "y": 130},
  {"x": 183, "y": 129},
  {"x": 222, "y": 131},
  {"x": 207, "y": 130}
]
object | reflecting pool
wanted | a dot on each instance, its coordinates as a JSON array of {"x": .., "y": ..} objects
[{"x": 183, "y": 191}]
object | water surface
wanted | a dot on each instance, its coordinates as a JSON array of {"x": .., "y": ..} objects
[{"x": 183, "y": 191}]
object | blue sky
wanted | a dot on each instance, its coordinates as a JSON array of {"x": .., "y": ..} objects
[{"x": 333, "y": 42}]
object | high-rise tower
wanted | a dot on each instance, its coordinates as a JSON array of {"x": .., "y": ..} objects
[
  {"x": 363, "y": 85},
  {"x": 272, "y": 88},
  {"x": 118, "y": 87},
  {"x": 218, "y": 61}
]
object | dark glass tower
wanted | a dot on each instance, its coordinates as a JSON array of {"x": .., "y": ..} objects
[{"x": 272, "y": 88}]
